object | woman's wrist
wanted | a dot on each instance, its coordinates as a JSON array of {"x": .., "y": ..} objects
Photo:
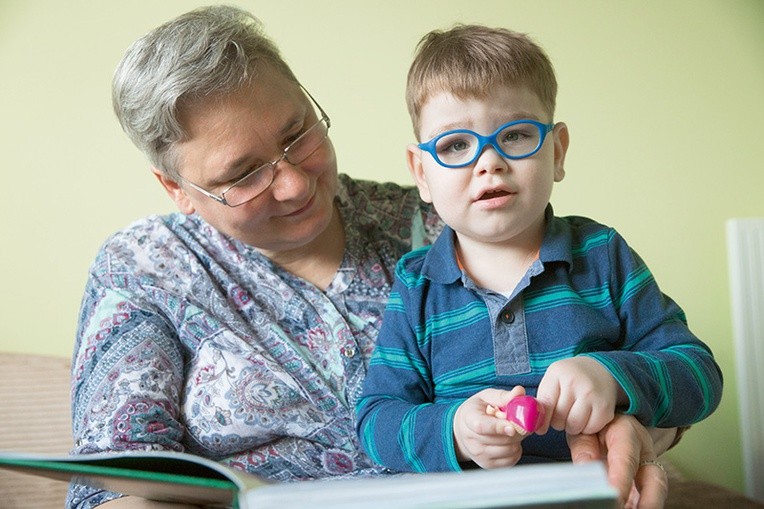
[{"x": 666, "y": 438}]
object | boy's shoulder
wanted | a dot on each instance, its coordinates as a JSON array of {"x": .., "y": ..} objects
[
  {"x": 581, "y": 228},
  {"x": 572, "y": 237},
  {"x": 412, "y": 262},
  {"x": 414, "y": 259},
  {"x": 412, "y": 268},
  {"x": 582, "y": 223}
]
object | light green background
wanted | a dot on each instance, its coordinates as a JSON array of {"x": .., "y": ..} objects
[{"x": 663, "y": 100}]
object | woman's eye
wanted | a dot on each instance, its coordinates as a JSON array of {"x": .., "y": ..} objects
[
  {"x": 288, "y": 141},
  {"x": 238, "y": 178}
]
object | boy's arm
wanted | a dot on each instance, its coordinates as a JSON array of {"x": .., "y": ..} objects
[
  {"x": 669, "y": 376},
  {"x": 398, "y": 424}
]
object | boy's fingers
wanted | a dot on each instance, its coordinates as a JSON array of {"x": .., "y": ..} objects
[
  {"x": 499, "y": 397},
  {"x": 548, "y": 393}
]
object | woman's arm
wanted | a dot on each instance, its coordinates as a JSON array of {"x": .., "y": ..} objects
[
  {"x": 126, "y": 379},
  {"x": 665, "y": 438}
]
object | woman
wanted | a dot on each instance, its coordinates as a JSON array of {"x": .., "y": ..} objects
[{"x": 240, "y": 328}]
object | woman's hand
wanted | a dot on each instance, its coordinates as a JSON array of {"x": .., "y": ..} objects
[{"x": 624, "y": 444}]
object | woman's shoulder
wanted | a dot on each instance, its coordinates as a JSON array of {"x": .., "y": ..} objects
[
  {"x": 153, "y": 245},
  {"x": 389, "y": 207},
  {"x": 147, "y": 232},
  {"x": 371, "y": 195}
]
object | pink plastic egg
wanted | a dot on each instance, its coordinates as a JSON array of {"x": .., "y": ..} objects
[{"x": 526, "y": 412}]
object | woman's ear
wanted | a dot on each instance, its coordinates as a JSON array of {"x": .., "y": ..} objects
[
  {"x": 174, "y": 191},
  {"x": 414, "y": 161},
  {"x": 561, "y": 142}
]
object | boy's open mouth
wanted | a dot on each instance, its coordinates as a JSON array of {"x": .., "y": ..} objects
[{"x": 493, "y": 194}]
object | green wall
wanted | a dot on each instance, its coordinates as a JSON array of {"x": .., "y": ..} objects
[{"x": 663, "y": 100}]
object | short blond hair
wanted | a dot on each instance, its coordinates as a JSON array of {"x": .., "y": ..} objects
[{"x": 470, "y": 60}]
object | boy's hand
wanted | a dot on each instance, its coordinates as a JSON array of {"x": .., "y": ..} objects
[
  {"x": 580, "y": 396},
  {"x": 485, "y": 439}
]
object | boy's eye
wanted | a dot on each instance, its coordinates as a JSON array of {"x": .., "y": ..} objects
[
  {"x": 518, "y": 135},
  {"x": 511, "y": 136},
  {"x": 453, "y": 144},
  {"x": 514, "y": 135},
  {"x": 456, "y": 146}
]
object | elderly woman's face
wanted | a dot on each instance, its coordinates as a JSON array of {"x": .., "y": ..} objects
[{"x": 229, "y": 136}]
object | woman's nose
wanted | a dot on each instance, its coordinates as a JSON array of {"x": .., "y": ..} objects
[{"x": 290, "y": 182}]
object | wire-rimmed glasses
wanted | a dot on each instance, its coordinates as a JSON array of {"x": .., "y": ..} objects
[
  {"x": 461, "y": 147},
  {"x": 255, "y": 182}
]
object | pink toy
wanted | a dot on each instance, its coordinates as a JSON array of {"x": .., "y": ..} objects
[{"x": 525, "y": 413}]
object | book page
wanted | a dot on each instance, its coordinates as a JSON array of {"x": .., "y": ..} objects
[
  {"x": 546, "y": 485},
  {"x": 179, "y": 477}
]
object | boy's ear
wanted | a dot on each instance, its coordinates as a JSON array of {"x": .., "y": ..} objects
[
  {"x": 414, "y": 161},
  {"x": 561, "y": 141},
  {"x": 174, "y": 191}
]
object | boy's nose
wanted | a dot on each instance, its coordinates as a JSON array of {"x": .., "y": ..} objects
[{"x": 490, "y": 161}]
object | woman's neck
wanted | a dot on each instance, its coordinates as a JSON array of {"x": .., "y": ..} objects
[{"x": 317, "y": 261}]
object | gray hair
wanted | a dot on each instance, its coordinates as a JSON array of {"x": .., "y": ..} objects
[{"x": 211, "y": 51}]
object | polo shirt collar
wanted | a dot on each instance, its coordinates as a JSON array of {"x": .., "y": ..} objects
[
  {"x": 557, "y": 245},
  {"x": 440, "y": 263}
]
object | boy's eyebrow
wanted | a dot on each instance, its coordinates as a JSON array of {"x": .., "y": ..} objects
[
  {"x": 443, "y": 128},
  {"x": 523, "y": 115},
  {"x": 518, "y": 115}
]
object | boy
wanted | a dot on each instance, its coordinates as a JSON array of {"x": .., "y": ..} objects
[{"x": 511, "y": 298}]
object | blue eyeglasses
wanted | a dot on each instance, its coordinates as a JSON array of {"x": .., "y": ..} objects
[{"x": 461, "y": 147}]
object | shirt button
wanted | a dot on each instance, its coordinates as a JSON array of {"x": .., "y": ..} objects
[
  {"x": 507, "y": 316},
  {"x": 348, "y": 351}
]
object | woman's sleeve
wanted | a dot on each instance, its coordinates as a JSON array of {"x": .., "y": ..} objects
[{"x": 127, "y": 377}]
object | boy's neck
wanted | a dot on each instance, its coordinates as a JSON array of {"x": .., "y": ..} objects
[{"x": 499, "y": 266}]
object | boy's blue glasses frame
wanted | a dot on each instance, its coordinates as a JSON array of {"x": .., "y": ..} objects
[{"x": 491, "y": 139}]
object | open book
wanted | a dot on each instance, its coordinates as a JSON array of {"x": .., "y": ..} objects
[{"x": 192, "y": 479}]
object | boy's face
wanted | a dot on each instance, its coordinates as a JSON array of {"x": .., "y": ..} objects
[{"x": 493, "y": 200}]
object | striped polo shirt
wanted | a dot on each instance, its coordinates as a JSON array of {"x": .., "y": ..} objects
[{"x": 443, "y": 339}]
